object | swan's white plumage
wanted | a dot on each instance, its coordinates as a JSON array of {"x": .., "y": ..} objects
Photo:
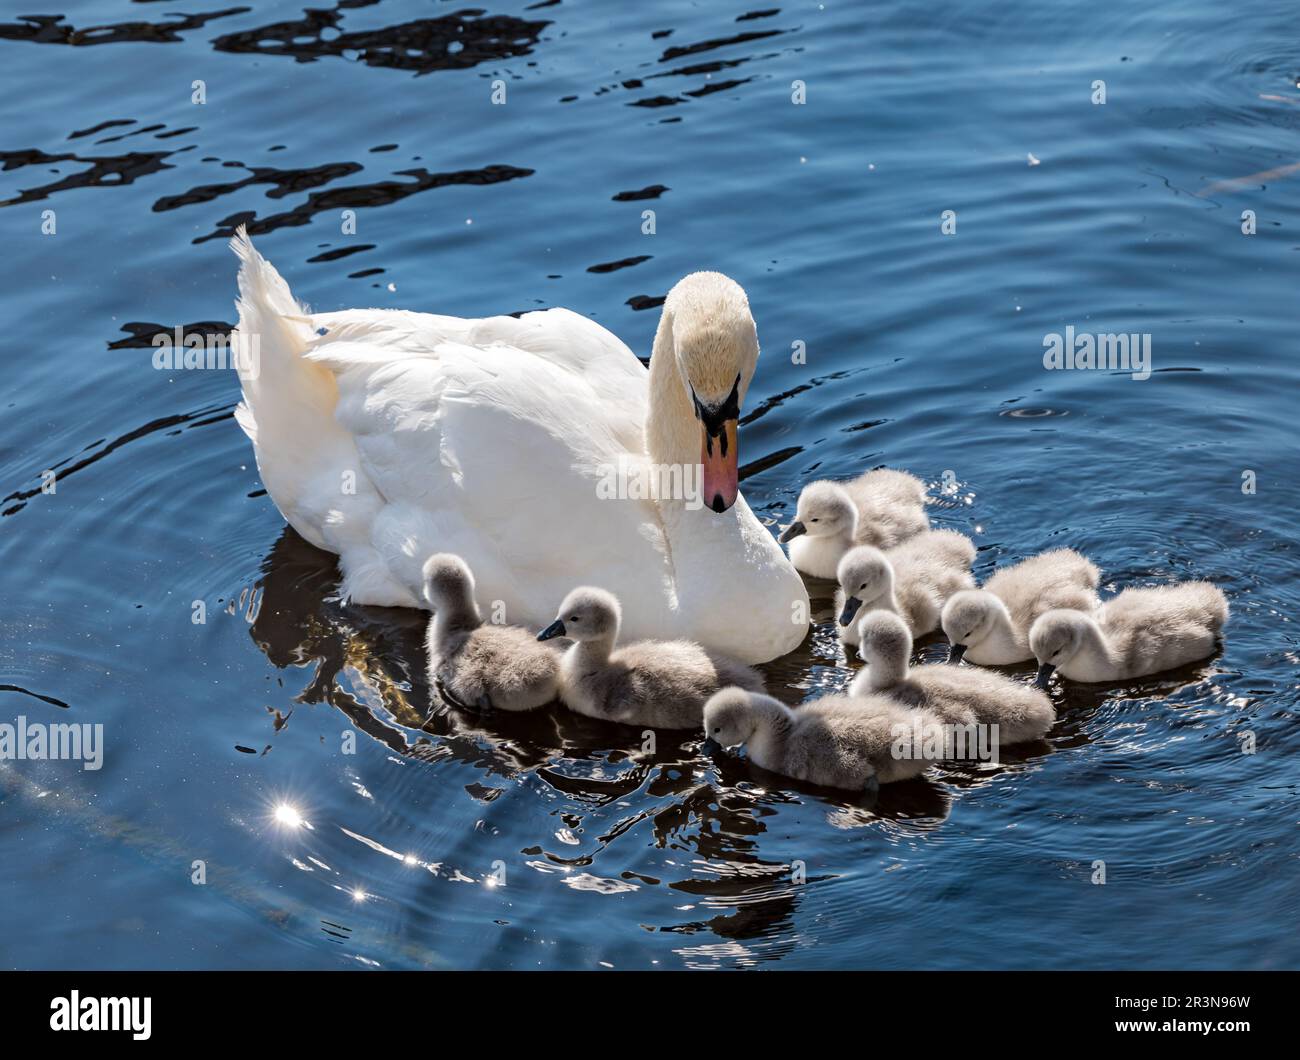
[{"x": 488, "y": 438}]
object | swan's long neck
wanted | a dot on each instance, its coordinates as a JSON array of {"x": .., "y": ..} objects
[
  {"x": 887, "y": 600},
  {"x": 1002, "y": 637},
  {"x": 593, "y": 654},
  {"x": 455, "y": 616},
  {"x": 885, "y": 672},
  {"x": 771, "y": 728},
  {"x": 1095, "y": 655},
  {"x": 672, "y": 436},
  {"x": 850, "y": 535}
]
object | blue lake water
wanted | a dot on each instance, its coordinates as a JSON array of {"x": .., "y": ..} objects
[{"x": 447, "y": 841}]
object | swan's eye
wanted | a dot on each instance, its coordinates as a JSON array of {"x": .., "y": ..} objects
[
  {"x": 573, "y": 618},
  {"x": 862, "y": 586},
  {"x": 814, "y": 520},
  {"x": 717, "y": 729}
]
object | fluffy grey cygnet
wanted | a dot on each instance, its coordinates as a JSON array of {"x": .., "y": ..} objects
[
  {"x": 1139, "y": 632},
  {"x": 478, "y": 665},
  {"x": 657, "y": 683},
  {"x": 881, "y": 508},
  {"x": 990, "y": 625},
  {"x": 961, "y": 695},
  {"x": 913, "y": 580},
  {"x": 834, "y": 741}
]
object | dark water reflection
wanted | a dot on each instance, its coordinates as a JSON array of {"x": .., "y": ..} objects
[{"x": 346, "y": 816}]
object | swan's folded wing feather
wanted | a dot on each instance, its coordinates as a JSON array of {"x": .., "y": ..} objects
[
  {"x": 355, "y": 336},
  {"x": 578, "y": 345},
  {"x": 496, "y": 453}
]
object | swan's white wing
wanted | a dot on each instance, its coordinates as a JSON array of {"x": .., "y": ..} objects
[{"x": 492, "y": 444}]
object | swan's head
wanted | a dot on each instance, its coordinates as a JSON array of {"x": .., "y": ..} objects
[
  {"x": 824, "y": 510},
  {"x": 729, "y": 717},
  {"x": 884, "y": 642},
  {"x": 865, "y": 574},
  {"x": 586, "y": 614},
  {"x": 1055, "y": 638},
  {"x": 715, "y": 346},
  {"x": 448, "y": 583},
  {"x": 968, "y": 617}
]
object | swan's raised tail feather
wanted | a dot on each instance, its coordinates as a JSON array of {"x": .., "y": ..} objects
[{"x": 288, "y": 406}]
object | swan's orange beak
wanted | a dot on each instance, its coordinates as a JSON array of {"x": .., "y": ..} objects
[{"x": 720, "y": 482}]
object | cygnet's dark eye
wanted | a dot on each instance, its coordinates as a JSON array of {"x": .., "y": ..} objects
[
  {"x": 863, "y": 585},
  {"x": 814, "y": 520},
  {"x": 717, "y": 728},
  {"x": 573, "y": 618}
]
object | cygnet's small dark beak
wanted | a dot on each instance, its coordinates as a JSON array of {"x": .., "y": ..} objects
[
  {"x": 956, "y": 652},
  {"x": 851, "y": 606},
  {"x": 555, "y": 629},
  {"x": 1044, "y": 675},
  {"x": 792, "y": 531},
  {"x": 710, "y": 746}
]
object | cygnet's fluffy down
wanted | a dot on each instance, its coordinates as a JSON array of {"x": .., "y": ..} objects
[
  {"x": 834, "y": 741},
  {"x": 961, "y": 695},
  {"x": 912, "y": 580},
  {"x": 478, "y": 665},
  {"x": 990, "y": 626},
  {"x": 882, "y": 508},
  {"x": 1139, "y": 632},
  {"x": 655, "y": 683}
]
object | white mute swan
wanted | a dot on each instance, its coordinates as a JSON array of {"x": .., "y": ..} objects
[
  {"x": 833, "y": 741},
  {"x": 1139, "y": 632},
  {"x": 662, "y": 684},
  {"x": 881, "y": 508},
  {"x": 538, "y": 449},
  {"x": 990, "y": 625},
  {"x": 483, "y": 666}
]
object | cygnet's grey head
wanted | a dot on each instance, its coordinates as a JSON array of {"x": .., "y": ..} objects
[
  {"x": 884, "y": 643},
  {"x": 1054, "y": 639},
  {"x": 968, "y": 618},
  {"x": 729, "y": 718},
  {"x": 824, "y": 510},
  {"x": 586, "y": 614},
  {"x": 865, "y": 574},
  {"x": 448, "y": 583}
]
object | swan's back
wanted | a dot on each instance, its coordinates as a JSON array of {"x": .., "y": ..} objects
[
  {"x": 934, "y": 550},
  {"x": 509, "y": 664},
  {"x": 664, "y": 684},
  {"x": 1020, "y": 711},
  {"x": 845, "y": 742},
  {"x": 891, "y": 507},
  {"x": 929, "y": 568},
  {"x": 1152, "y": 629},
  {"x": 1059, "y": 579}
]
